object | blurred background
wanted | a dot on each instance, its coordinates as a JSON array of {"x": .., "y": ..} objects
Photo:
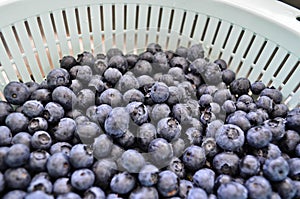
[{"x": 294, "y": 3}]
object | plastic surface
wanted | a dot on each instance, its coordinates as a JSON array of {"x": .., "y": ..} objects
[{"x": 259, "y": 39}]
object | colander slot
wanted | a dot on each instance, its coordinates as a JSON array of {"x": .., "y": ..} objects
[
  {"x": 216, "y": 32},
  {"x": 59, "y": 28},
  {"x": 130, "y": 32},
  {"x": 9, "y": 68},
  {"x": 278, "y": 81},
  {"x": 175, "y": 31},
  {"x": 263, "y": 59},
  {"x": 238, "y": 41},
  {"x": 136, "y": 27},
  {"x": 119, "y": 26},
  {"x": 108, "y": 33},
  {"x": 55, "y": 35},
  {"x": 205, "y": 28},
  {"x": 182, "y": 23},
  {"x": 249, "y": 46},
  {"x": 210, "y": 33},
  {"x": 227, "y": 36},
  {"x": 41, "y": 48},
  {"x": 271, "y": 58},
  {"x": 292, "y": 78},
  {"x": 239, "y": 51},
  {"x": 185, "y": 39},
  {"x": 281, "y": 65},
  {"x": 73, "y": 30},
  {"x": 77, "y": 21},
  {"x": 96, "y": 28},
  {"x": 164, "y": 27},
  {"x": 84, "y": 36},
  {"x": 125, "y": 17},
  {"x": 17, "y": 58},
  {"x": 142, "y": 27},
  {"x": 274, "y": 64},
  {"x": 194, "y": 26},
  {"x": 290, "y": 74},
  {"x": 22, "y": 34},
  {"x": 152, "y": 33},
  {"x": 171, "y": 21},
  {"x": 260, "y": 52},
  {"x": 219, "y": 40}
]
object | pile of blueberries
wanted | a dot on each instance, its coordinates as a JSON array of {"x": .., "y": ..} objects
[{"x": 160, "y": 124}]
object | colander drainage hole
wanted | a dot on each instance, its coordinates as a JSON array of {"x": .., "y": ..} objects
[{"x": 298, "y": 18}]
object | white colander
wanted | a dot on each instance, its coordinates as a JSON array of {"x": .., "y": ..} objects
[{"x": 259, "y": 38}]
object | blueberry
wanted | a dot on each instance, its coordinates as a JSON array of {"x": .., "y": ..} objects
[
  {"x": 104, "y": 170},
  {"x": 112, "y": 75},
  {"x": 16, "y": 122},
  {"x": 85, "y": 99},
  {"x": 259, "y": 136},
  {"x": 209, "y": 145},
  {"x": 279, "y": 110},
  {"x": 240, "y": 86},
  {"x": 58, "y": 165},
  {"x": 148, "y": 175},
  {"x": 114, "y": 196},
  {"x": 63, "y": 147},
  {"x": 83, "y": 73},
  {"x": 175, "y": 96},
  {"x": 94, "y": 192},
  {"x": 112, "y": 52},
  {"x": 277, "y": 127},
  {"x": 168, "y": 183},
  {"x": 286, "y": 188},
  {"x": 17, "y": 178},
  {"x": 153, "y": 48},
  {"x": 127, "y": 140},
  {"x": 132, "y": 59},
  {"x": 169, "y": 128},
  {"x": 65, "y": 129},
  {"x": 179, "y": 62},
  {"x": 87, "y": 132},
  {"x": 126, "y": 83},
  {"x": 82, "y": 179},
  {"x": 144, "y": 193},
  {"x": 265, "y": 103},
  {"x": 37, "y": 195},
  {"x": 132, "y": 95},
  {"x": 53, "y": 112},
  {"x": 222, "y": 179},
  {"x": 207, "y": 117},
  {"x": 229, "y": 106},
  {"x": 81, "y": 156},
  {"x": 57, "y": 77},
  {"x": 160, "y": 62},
  {"x": 177, "y": 167},
  {"x": 38, "y": 160},
  {"x": 232, "y": 190},
  {"x": 64, "y": 96},
  {"x": 181, "y": 113},
  {"x": 117, "y": 122},
  {"x": 132, "y": 161},
  {"x": 294, "y": 172},
  {"x": 119, "y": 62},
  {"x": 142, "y": 67},
  {"x": 96, "y": 84},
  {"x": 159, "y": 92},
  {"x": 86, "y": 58},
  {"x": 221, "y": 63},
  {"x": 272, "y": 93},
  {"x": 100, "y": 113},
  {"x": 249, "y": 166},
  {"x": 205, "y": 100},
  {"x": 293, "y": 119},
  {"x": 37, "y": 124},
  {"x": 271, "y": 151},
  {"x": 5, "y": 109},
  {"x": 290, "y": 140},
  {"x": 181, "y": 51},
  {"x": 257, "y": 87},
  {"x": 193, "y": 136},
  {"x": 177, "y": 73},
  {"x": 197, "y": 193},
  {"x": 15, "y": 194},
  {"x": 226, "y": 163},
  {"x": 111, "y": 96},
  {"x": 160, "y": 152},
  {"x": 67, "y": 62},
  {"x": 240, "y": 121},
  {"x": 75, "y": 86},
  {"x": 5, "y": 136},
  {"x": 205, "y": 179},
  {"x": 16, "y": 93},
  {"x": 69, "y": 195},
  {"x": 3, "y": 151},
  {"x": 276, "y": 169},
  {"x": 43, "y": 95},
  {"x": 184, "y": 187},
  {"x": 2, "y": 182},
  {"x": 40, "y": 184},
  {"x": 138, "y": 112},
  {"x": 258, "y": 187},
  {"x": 257, "y": 117},
  {"x": 178, "y": 146},
  {"x": 230, "y": 137},
  {"x": 220, "y": 95},
  {"x": 17, "y": 155},
  {"x": 194, "y": 157},
  {"x": 194, "y": 52},
  {"x": 62, "y": 186},
  {"x": 122, "y": 183},
  {"x": 145, "y": 134},
  {"x": 41, "y": 140}
]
